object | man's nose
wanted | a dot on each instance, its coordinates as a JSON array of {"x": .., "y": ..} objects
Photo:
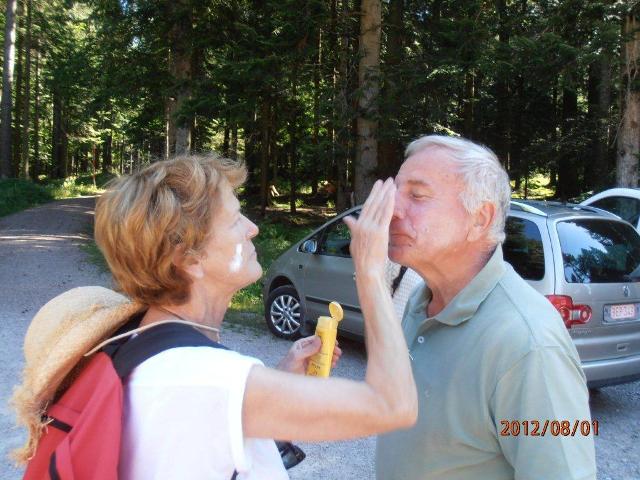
[
  {"x": 398, "y": 208},
  {"x": 253, "y": 230}
]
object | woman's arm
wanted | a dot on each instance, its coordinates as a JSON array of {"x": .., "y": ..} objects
[{"x": 282, "y": 405}]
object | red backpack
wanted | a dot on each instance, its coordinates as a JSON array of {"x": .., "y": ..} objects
[{"x": 82, "y": 440}]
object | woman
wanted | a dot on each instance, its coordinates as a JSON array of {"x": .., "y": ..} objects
[{"x": 178, "y": 245}]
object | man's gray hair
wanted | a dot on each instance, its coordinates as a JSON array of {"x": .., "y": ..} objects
[{"x": 484, "y": 178}]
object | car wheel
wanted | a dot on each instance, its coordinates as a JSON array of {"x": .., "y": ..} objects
[{"x": 284, "y": 313}]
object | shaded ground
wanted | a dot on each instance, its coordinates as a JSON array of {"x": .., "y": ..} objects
[{"x": 40, "y": 258}]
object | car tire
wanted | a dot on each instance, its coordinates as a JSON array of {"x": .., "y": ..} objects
[{"x": 284, "y": 313}]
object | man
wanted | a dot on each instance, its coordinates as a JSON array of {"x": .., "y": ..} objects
[{"x": 487, "y": 350}]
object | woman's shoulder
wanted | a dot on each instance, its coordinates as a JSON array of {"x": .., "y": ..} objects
[{"x": 203, "y": 366}]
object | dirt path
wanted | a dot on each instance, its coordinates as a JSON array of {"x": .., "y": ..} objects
[{"x": 39, "y": 259}]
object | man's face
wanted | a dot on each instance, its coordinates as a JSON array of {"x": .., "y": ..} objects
[{"x": 430, "y": 224}]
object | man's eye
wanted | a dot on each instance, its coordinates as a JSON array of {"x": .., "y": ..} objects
[{"x": 418, "y": 196}]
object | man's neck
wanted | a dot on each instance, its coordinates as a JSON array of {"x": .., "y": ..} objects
[{"x": 449, "y": 277}]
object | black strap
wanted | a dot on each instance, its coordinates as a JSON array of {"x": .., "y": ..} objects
[
  {"x": 53, "y": 469},
  {"x": 131, "y": 352},
  {"x": 398, "y": 279}
]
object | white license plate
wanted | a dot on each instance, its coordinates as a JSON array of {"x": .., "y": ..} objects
[{"x": 623, "y": 312}]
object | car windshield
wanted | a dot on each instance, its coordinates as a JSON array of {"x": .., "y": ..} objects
[{"x": 599, "y": 251}]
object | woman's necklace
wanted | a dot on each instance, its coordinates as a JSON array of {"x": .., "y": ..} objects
[
  {"x": 155, "y": 324},
  {"x": 192, "y": 323}
]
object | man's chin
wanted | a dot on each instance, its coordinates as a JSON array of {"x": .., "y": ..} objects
[{"x": 395, "y": 253}]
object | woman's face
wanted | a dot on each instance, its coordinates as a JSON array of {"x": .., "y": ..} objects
[{"x": 229, "y": 255}]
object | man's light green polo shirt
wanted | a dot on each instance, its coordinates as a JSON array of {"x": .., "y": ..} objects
[{"x": 499, "y": 351}]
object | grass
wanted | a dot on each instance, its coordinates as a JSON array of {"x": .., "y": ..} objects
[
  {"x": 17, "y": 194},
  {"x": 94, "y": 255},
  {"x": 538, "y": 188}
]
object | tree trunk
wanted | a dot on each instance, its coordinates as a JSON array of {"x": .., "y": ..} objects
[
  {"x": 58, "y": 140},
  {"x": 629, "y": 134},
  {"x": 181, "y": 69},
  {"x": 293, "y": 144},
  {"x": 227, "y": 135},
  {"x": 7, "y": 79},
  {"x": 251, "y": 135},
  {"x": 35, "y": 171},
  {"x": 567, "y": 169},
  {"x": 316, "y": 114},
  {"x": 27, "y": 95},
  {"x": 16, "y": 142},
  {"x": 95, "y": 160},
  {"x": 234, "y": 140},
  {"x": 467, "y": 108},
  {"x": 170, "y": 127},
  {"x": 84, "y": 159},
  {"x": 107, "y": 159},
  {"x": 389, "y": 145},
  {"x": 122, "y": 154},
  {"x": 503, "y": 122},
  {"x": 342, "y": 116},
  {"x": 599, "y": 100},
  {"x": 265, "y": 109},
  {"x": 369, "y": 87}
]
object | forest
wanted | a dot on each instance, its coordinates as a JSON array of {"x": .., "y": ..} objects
[{"x": 320, "y": 97}]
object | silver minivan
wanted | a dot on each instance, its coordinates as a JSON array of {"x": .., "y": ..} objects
[{"x": 586, "y": 261}]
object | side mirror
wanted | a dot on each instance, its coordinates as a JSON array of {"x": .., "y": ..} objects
[{"x": 310, "y": 246}]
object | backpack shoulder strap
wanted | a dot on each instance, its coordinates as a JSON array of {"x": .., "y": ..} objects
[{"x": 128, "y": 355}]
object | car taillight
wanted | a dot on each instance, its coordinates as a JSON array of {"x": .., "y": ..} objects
[{"x": 571, "y": 314}]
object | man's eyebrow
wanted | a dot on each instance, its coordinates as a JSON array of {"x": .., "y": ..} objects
[{"x": 418, "y": 183}]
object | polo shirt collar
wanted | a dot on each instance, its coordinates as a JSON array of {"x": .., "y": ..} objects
[{"x": 465, "y": 304}]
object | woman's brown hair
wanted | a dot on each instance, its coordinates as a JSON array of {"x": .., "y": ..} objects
[{"x": 143, "y": 218}]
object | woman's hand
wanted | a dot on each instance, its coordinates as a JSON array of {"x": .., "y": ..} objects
[
  {"x": 370, "y": 231},
  {"x": 297, "y": 358}
]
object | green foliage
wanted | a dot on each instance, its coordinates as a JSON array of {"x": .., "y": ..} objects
[
  {"x": 520, "y": 77},
  {"x": 274, "y": 238},
  {"x": 17, "y": 195}
]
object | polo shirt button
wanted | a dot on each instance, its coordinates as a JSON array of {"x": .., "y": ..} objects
[{"x": 420, "y": 339}]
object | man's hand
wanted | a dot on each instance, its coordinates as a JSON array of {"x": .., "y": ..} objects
[
  {"x": 297, "y": 358},
  {"x": 370, "y": 232}
]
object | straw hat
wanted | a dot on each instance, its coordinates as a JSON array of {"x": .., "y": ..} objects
[{"x": 59, "y": 335}]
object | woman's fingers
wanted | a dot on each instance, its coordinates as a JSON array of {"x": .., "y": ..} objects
[
  {"x": 387, "y": 204},
  {"x": 337, "y": 353},
  {"x": 377, "y": 186}
]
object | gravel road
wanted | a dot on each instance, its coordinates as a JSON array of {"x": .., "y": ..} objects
[{"x": 40, "y": 258}]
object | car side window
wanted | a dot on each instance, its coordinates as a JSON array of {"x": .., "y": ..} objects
[
  {"x": 626, "y": 208},
  {"x": 523, "y": 248},
  {"x": 335, "y": 240}
]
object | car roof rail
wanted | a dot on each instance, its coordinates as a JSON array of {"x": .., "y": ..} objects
[
  {"x": 589, "y": 208},
  {"x": 525, "y": 207}
]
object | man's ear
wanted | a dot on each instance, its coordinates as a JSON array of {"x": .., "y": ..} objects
[
  {"x": 482, "y": 221},
  {"x": 188, "y": 262}
]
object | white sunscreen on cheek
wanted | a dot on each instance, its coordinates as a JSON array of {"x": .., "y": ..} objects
[{"x": 236, "y": 262}]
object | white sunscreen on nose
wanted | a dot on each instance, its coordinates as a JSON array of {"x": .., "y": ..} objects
[{"x": 236, "y": 262}]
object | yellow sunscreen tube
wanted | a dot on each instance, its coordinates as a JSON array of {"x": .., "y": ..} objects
[{"x": 327, "y": 330}]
